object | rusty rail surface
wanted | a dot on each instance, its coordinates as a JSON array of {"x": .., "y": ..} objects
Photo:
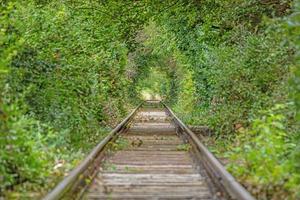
[{"x": 223, "y": 180}]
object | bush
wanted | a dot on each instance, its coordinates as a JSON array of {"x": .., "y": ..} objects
[
  {"x": 262, "y": 156},
  {"x": 27, "y": 152}
]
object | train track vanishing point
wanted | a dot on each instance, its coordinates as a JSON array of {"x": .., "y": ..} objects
[{"x": 151, "y": 154}]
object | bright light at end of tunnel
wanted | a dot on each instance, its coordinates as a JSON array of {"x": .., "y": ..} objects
[{"x": 149, "y": 95}]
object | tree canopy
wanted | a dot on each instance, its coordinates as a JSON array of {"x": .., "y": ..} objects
[{"x": 71, "y": 70}]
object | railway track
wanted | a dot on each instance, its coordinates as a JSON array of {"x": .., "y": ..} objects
[{"x": 150, "y": 155}]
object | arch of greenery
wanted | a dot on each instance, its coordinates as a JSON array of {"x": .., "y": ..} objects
[{"x": 69, "y": 70}]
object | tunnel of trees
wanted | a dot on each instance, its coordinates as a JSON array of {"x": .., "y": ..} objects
[{"x": 71, "y": 70}]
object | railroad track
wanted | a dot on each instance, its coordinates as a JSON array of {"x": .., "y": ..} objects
[{"x": 150, "y": 155}]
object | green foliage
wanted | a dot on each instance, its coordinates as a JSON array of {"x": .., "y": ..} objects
[
  {"x": 119, "y": 144},
  {"x": 157, "y": 84},
  {"x": 9, "y": 41},
  {"x": 68, "y": 70},
  {"x": 183, "y": 147},
  {"x": 234, "y": 70},
  {"x": 294, "y": 31},
  {"x": 25, "y": 142},
  {"x": 65, "y": 84},
  {"x": 160, "y": 61},
  {"x": 237, "y": 58},
  {"x": 261, "y": 159},
  {"x": 110, "y": 166},
  {"x": 293, "y": 27}
]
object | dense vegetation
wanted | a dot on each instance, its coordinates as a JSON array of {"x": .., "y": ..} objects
[
  {"x": 69, "y": 70},
  {"x": 233, "y": 62}
]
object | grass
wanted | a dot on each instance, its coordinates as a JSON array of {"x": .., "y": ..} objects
[{"x": 183, "y": 147}]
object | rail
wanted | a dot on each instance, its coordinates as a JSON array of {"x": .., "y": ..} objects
[
  {"x": 215, "y": 169},
  {"x": 60, "y": 190},
  {"x": 219, "y": 175}
]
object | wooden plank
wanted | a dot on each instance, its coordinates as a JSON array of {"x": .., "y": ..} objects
[
  {"x": 166, "y": 196},
  {"x": 159, "y": 157},
  {"x": 153, "y": 190},
  {"x": 166, "y": 177},
  {"x": 152, "y": 137},
  {"x": 154, "y": 152},
  {"x": 174, "y": 161},
  {"x": 153, "y": 169}
]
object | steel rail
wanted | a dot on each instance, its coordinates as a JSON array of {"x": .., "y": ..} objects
[
  {"x": 62, "y": 188},
  {"x": 234, "y": 189}
]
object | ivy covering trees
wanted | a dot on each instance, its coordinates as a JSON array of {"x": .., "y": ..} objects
[{"x": 70, "y": 70}]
